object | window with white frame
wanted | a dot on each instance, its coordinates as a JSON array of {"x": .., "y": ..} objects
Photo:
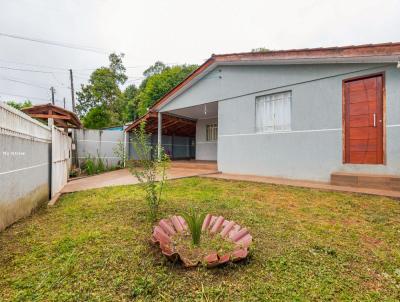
[
  {"x": 273, "y": 112},
  {"x": 211, "y": 132}
]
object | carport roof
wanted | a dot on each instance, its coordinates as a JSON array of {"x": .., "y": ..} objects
[
  {"x": 171, "y": 125},
  {"x": 62, "y": 118}
]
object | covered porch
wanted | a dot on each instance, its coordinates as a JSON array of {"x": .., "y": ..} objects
[
  {"x": 176, "y": 136},
  {"x": 189, "y": 133}
]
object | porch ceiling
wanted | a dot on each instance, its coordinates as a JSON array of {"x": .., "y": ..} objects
[
  {"x": 198, "y": 112},
  {"x": 171, "y": 125}
]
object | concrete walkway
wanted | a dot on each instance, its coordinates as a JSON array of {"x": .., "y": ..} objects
[
  {"x": 125, "y": 177},
  {"x": 180, "y": 169},
  {"x": 305, "y": 184}
]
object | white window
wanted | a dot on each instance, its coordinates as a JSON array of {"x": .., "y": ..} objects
[
  {"x": 212, "y": 132},
  {"x": 273, "y": 112}
]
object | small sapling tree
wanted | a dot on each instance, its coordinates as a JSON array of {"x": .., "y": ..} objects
[{"x": 150, "y": 169}]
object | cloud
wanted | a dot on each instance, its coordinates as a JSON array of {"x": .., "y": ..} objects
[{"x": 174, "y": 31}]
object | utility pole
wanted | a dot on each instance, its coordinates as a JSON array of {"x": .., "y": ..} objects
[
  {"x": 64, "y": 102},
  {"x": 52, "y": 95},
  {"x": 71, "y": 77},
  {"x": 74, "y": 132}
]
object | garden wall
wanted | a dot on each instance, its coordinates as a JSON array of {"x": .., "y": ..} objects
[
  {"x": 24, "y": 164},
  {"x": 99, "y": 143}
]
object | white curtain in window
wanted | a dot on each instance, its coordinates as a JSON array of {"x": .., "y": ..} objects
[
  {"x": 211, "y": 132},
  {"x": 273, "y": 112}
]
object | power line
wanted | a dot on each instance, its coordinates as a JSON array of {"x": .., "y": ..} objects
[
  {"x": 35, "y": 65},
  {"x": 41, "y": 85},
  {"x": 81, "y": 75},
  {"x": 56, "y": 43},
  {"x": 130, "y": 67},
  {"x": 26, "y": 70},
  {"x": 22, "y": 82},
  {"x": 59, "y": 82},
  {"x": 24, "y": 96}
]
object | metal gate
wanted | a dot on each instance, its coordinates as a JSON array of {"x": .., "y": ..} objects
[{"x": 60, "y": 159}]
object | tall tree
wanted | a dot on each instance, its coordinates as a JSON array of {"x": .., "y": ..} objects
[
  {"x": 103, "y": 93},
  {"x": 97, "y": 118},
  {"x": 131, "y": 102},
  {"x": 157, "y": 68},
  {"x": 159, "y": 80}
]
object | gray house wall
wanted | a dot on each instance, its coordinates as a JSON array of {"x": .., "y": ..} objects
[
  {"x": 313, "y": 148},
  {"x": 205, "y": 150}
]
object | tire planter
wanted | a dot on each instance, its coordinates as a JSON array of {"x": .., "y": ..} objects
[{"x": 240, "y": 238}]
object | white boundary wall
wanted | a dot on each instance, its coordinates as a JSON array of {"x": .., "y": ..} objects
[
  {"x": 25, "y": 164},
  {"x": 60, "y": 159},
  {"x": 99, "y": 143}
]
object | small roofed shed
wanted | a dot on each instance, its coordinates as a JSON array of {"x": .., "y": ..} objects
[
  {"x": 178, "y": 134},
  {"x": 62, "y": 118}
]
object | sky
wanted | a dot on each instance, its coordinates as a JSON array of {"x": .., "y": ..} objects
[{"x": 173, "y": 31}]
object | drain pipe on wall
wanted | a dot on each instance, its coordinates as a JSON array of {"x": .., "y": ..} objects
[
  {"x": 50, "y": 123},
  {"x": 159, "y": 135}
]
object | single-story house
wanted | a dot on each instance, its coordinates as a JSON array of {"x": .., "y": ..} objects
[{"x": 299, "y": 114}]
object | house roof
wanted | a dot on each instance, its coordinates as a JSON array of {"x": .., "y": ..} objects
[
  {"x": 62, "y": 118},
  {"x": 367, "y": 53},
  {"x": 352, "y": 51}
]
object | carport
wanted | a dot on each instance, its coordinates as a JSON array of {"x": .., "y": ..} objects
[{"x": 177, "y": 134}]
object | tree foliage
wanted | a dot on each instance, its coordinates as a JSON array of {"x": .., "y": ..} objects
[
  {"x": 160, "y": 79},
  {"x": 101, "y": 103},
  {"x": 104, "y": 103},
  {"x": 97, "y": 118},
  {"x": 260, "y": 49},
  {"x": 131, "y": 102},
  {"x": 20, "y": 105}
]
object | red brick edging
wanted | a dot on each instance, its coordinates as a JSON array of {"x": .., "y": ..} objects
[{"x": 213, "y": 224}]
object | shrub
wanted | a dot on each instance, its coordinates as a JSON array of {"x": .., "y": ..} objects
[
  {"x": 94, "y": 165},
  {"x": 195, "y": 222},
  {"x": 90, "y": 165},
  {"x": 119, "y": 151},
  {"x": 100, "y": 167}
]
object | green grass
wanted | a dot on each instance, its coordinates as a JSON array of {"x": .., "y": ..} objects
[
  {"x": 308, "y": 245},
  {"x": 183, "y": 245}
]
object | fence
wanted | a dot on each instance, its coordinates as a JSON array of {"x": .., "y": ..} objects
[
  {"x": 25, "y": 164},
  {"x": 61, "y": 159},
  {"x": 99, "y": 143}
]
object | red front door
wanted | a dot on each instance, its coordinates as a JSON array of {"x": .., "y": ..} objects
[{"x": 363, "y": 114}]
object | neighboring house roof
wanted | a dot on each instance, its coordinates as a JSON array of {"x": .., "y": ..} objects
[
  {"x": 368, "y": 53},
  {"x": 62, "y": 118}
]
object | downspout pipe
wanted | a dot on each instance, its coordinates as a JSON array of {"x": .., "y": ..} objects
[{"x": 159, "y": 135}]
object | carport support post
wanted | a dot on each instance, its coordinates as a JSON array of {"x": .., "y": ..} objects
[{"x": 159, "y": 135}]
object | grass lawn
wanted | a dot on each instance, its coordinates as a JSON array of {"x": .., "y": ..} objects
[{"x": 308, "y": 245}]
